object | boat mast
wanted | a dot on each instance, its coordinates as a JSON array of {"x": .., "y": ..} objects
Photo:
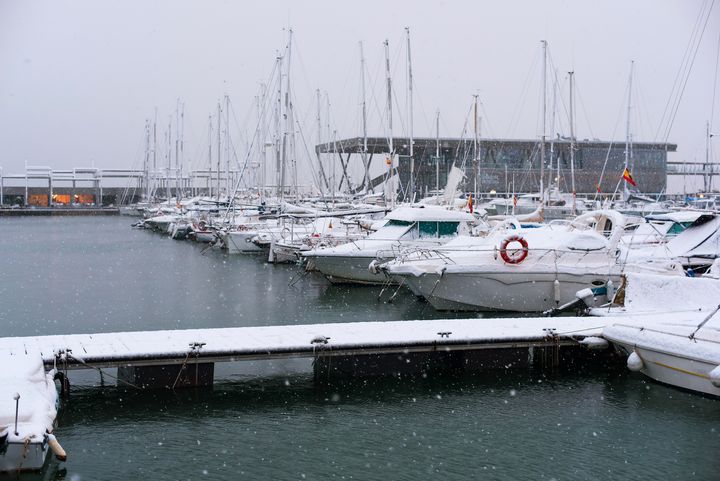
[
  {"x": 209, "y": 178},
  {"x": 219, "y": 150},
  {"x": 572, "y": 143},
  {"x": 437, "y": 153},
  {"x": 287, "y": 117},
  {"x": 628, "y": 141},
  {"x": 544, "y": 117},
  {"x": 154, "y": 148},
  {"x": 475, "y": 143},
  {"x": 366, "y": 180},
  {"x": 707, "y": 179},
  {"x": 389, "y": 161},
  {"x": 278, "y": 114},
  {"x": 411, "y": 187},
  {"x": 390, "y": 128},
  {"x": 227, "y": 146},
  {"x": 182, "y": 142},
  {"x": 146, "y": 165},
  {"x": 169, "y": 159},
  {"x": 329, "y": 136},
  {"x": 262, "y": 138},
  {"x": 552, "y": 142},
  {"x": 334, "y": 140},
  {"x": 177, "y": 150},
  {"x": 323, "y": 179}
]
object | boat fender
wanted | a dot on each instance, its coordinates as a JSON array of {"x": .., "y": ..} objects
[
  {"x": 634, "y": 362},
  {"x": 374, "y": 267},
  {"x": 4, "y": 433},
  {"x": 715, "y": 376},
  {"x": 556, "y": 287},
  {"x": 587, "y": 296},
  {"x": 57, "y": 450},
  {"x": 515, "y": 258},
  {"x": 595, "y": 343},
  {"x": 610, "y": 290}
]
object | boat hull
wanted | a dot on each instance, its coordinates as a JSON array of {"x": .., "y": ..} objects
[
  {"x": 504, "y": 291},
  {"x": 348, "y": 269},
  {"x": 240, "y": 242},
  {"x": 21, "y": 457},
  {"x": 671, "y": 368}
]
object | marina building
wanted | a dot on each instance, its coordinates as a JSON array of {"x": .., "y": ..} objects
[{"x": 504, "y": 165}]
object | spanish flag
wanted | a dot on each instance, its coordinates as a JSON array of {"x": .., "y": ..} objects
[{"x": 628, "y": 177}]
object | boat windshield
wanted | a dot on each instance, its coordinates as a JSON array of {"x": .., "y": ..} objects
[
  {"x": 431, "y": 230},
  {"x": 393, "y": 229},
  {"x": 438, "y": 229}
]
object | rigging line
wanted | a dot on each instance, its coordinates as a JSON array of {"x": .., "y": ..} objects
[
  {"x": 314, "y": 174},
  {"x": 643, "y": 112},
  {"x": 462, "y": 138},
  {"x": 610, "y": 146},
  {"x": 686, "y": 68},
  {"x": 515, "y": 118},
  {"x": 483, "y": 110},
  {"x": 138, "y": 159},
  {"x": 250, "y": 150},
  {"x": 374, "y": 100},
  {"x": 687, "y": 77},
  {"x": 562, "y": 98},
  {"x": 246, "y": 120},
  {"x": 679, "y": 73},
  {"x": 582, "y": 104},
  {"x": 715, "y": 82}
]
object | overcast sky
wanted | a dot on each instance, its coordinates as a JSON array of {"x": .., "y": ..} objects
[{"x": 79, "y": 78}]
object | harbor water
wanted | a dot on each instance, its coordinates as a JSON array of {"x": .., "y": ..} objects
[{"x": 270, "y": 420}]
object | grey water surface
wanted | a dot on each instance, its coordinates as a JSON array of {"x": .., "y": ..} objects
[{"x": 271, "y": 421}]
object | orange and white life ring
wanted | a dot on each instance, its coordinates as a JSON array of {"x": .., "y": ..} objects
[{"x": 514, "y": 256}]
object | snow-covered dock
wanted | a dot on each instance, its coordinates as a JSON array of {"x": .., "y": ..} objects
[{"x": 148, "y": 348}]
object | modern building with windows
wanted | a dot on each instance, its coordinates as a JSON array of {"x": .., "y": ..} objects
[{"x": 503, "y": 165}]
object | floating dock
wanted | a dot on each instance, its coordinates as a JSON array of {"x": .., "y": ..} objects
[{"x": 356, "y": 348}]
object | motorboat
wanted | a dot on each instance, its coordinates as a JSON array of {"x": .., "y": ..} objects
[
  {"x": 404, "y": 227},
  {"x": 670, "y": 330},
  {"x": 528, "y": 270},
  {"x": 695, "y": 247},
  {"x": 28, "y": 408}
]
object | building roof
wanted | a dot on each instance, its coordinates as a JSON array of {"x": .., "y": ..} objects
[{"x": 378, "y": 145}]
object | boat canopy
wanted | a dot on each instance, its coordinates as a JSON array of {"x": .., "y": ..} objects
[{"x": 425, "y": 213}]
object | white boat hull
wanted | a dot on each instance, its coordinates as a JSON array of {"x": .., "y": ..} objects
[
  {"x": 240, "y": 242},
  {"x": 21, "y": 457},
  {"x": 348, "y": 269},
  {"x": 503, "y": 291},
  {"x": 673, "y": 369}
]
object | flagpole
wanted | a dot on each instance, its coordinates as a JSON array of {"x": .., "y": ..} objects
[{"x": 626, "y": 190}]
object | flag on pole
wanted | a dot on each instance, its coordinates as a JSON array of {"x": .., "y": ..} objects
[
  {"x": 628, "y": 177},
  {"x": 598, "y": 188}
]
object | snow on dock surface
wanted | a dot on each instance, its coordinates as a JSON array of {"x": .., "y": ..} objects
[{"x": 146, "y": 347}]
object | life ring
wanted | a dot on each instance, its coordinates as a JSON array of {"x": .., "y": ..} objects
[{"x": 518, "y": 255}]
